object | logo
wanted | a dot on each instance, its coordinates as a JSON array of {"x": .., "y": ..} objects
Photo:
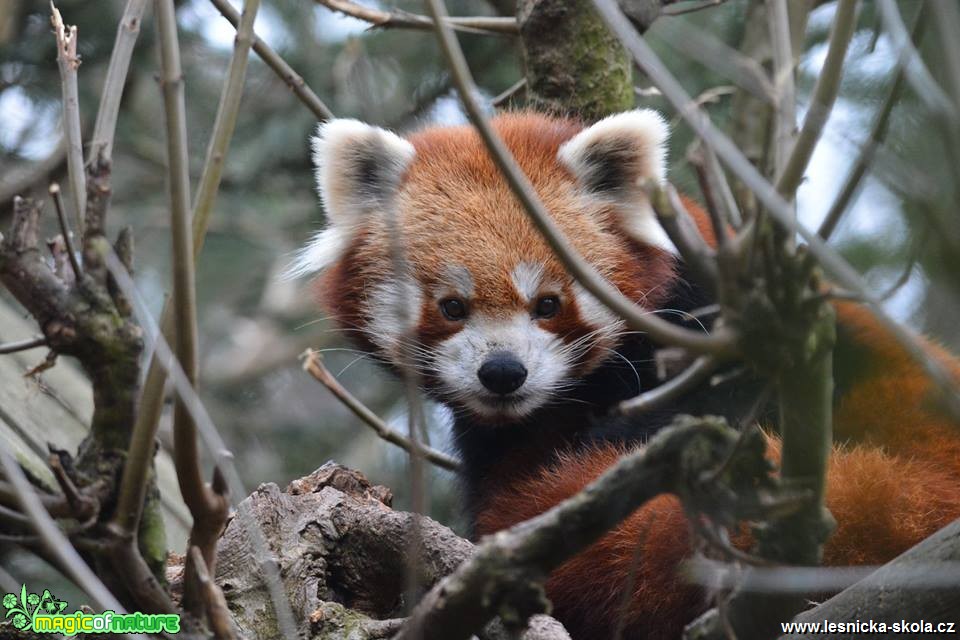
[{"x": 44, "y": 614}]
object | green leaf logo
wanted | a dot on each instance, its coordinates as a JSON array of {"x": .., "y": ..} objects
[{"x": 27, "y": 606}]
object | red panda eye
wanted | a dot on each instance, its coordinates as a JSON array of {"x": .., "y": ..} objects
[
  {"x": 547, "y": 307},
  {"x": 453, "y": 308}
]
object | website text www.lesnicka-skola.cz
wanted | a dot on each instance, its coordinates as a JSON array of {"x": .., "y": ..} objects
[{"x": 871, "y": 626}]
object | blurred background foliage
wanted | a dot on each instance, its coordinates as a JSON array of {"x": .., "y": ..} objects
[{"x": 279, "y": 422}]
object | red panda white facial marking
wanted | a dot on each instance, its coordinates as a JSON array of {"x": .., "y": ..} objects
[{"x": 496, "y": 324}]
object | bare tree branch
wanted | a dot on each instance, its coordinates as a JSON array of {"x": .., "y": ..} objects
[
  {"x": 313, "y": 364},
  {"x": 279, "y": 66},
  {"x": 671, "y": 390},
  {"x": 104, "y": 130},
  {"x": 65, "y": 230},
  {"x": 636, "y": 317},
  {"x": 506, "y": 570},
  {"x": 22, "y": 345},
  {"x": 838, "y": 268},
  {"x": 404, "y": 20},
  {"x": 822, "y": 99},
  {"x": 68, "y": 61},
  {"x": 54, "y": 541},
  {"x": 223, "y": 458},
  {"x": 785, "y": 113},
  {"x": 874, "y": 139}
]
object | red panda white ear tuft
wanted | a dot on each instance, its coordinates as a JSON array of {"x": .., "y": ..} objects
[
  {"x": 358, "y": 170},
  {"x": 610, "y": 160}
]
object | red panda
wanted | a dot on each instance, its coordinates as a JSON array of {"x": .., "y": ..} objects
[{"x": 530, "y": 363}]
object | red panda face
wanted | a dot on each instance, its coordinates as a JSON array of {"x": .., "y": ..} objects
[{"x": 429, "y": 260}]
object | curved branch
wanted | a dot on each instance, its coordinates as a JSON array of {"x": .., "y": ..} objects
[
  {"x": 507, "y": 567},
  {"x": 636, "y": 317},
  {"x": 669, "y": 391},
  {"x": 313, "y": 365}
]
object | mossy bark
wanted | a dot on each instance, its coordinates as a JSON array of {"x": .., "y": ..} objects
[{"x": 574, "y": 65}]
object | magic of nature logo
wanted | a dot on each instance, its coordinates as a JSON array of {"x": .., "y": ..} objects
[{"x": 43, "y": 613}]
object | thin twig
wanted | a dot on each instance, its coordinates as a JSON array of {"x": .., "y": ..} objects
[
  {"x": 208, "y": 504},
  {"x": 682, "y": 8},
  {"x": 669, "y": 391},
  {"x": 68, "y": 61},
  {"x": 868, "y": 151},
  {"x": 279, "y": 66},
  {"x": 224, "y": 125},
  {"x": 54, "y": 541},
  {"x": 65, "y": 231},
  {"x": 676, "y": 221},
  {"x": 821, "y": 101},
  {"x": 835, "y": 266},
  {"x": 785, "y": 113},
  {"x": 217, "y": 448},
  {"x": 917, "y": 74},
  {"x": 221, "y": 622},
  {"x": 585, "y": 274},
  {"x": 133, "y": 484},
  {"x": 717, "y": 56},
  {"x": 509, "y": 93},
  {"x": 104, "y": 130},
  {"x": 313, "y": 364},
  {"x": 22, "y": 345},
  {"x": 404, "y": 20}
]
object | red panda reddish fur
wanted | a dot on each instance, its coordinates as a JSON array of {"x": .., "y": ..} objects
[{"x": 893, "y": 480}]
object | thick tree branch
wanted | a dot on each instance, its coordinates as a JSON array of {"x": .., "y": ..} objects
[{"x": 507, "y": 569}]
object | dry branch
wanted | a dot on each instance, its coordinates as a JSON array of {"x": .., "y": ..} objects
[
  {"x": 55, "y": 543},
  {"x": 104, "y": 130},
  {"x": 279, "y": 66},
  {"x": 22, "y": 345},
  {"x": 313, "y": 364},
  {"x": 340, "y": 550},
  {"x": 671, "y": 390},
  {"x": 507, "y": 570},
  {"x": 838, "y": 268},
  {"x": 898, "y": 587},
  {"x": 68, "y": 61},
  {"x": 404, "y": 20},
  {"x": 821, "y": 101},
  {"x": 874, "y": 139},
  {"x": 208, "y": 504}
]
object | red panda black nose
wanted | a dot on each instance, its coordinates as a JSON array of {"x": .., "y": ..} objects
[{"x": 502, "y": 373}]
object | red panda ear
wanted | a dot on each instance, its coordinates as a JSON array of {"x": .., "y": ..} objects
[
  {"x": 358, "y": 171},
  {"x": 612, "y": 157}
]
